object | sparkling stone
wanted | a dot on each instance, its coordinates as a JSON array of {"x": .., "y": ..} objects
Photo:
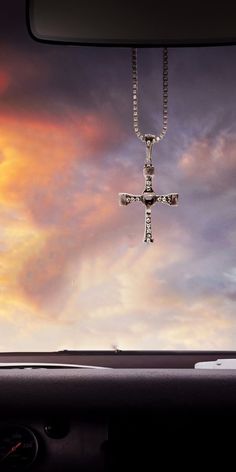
[
  {"x": 128, "y": 199},
  {"x": 137, "y": 199},
  {"x": 164, "y": 199},
  {"x": 149, "y": 198},
  {"x": 148, "y": 220},
  {"x": 132, "y": 199}
]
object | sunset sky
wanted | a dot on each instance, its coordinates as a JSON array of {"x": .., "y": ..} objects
[{"x": 74, "y": 272}]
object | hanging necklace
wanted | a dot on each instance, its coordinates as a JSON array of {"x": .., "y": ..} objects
[{"x": 149, "y": 197}]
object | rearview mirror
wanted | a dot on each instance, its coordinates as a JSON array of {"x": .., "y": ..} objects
[{"x": 129, "y": 23}]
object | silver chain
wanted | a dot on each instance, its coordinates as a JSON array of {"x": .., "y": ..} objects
[{"x": 138, "y": 133}]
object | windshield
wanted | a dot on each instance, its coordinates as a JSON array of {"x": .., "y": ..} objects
[{"x": 74, "y": 271}]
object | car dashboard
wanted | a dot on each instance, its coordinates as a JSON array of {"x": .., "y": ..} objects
[{"x": 118, "y": 418}]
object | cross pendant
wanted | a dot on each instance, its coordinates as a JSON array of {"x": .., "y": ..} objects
[{"x": 148, "y": 197}]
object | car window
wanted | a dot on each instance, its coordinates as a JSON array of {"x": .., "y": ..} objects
[{"x": 74, "y": 271}]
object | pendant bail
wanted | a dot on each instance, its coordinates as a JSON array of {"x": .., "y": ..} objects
[{"x": 150, "y": 141}]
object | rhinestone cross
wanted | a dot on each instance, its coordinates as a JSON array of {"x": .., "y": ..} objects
[{"x": 148, "y": 197}]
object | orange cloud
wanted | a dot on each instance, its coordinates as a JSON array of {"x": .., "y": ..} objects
[
  {"x": 35, "y": 152},
  {"x": 50, "y": 215},
  {"x": 4, "y": 81}
]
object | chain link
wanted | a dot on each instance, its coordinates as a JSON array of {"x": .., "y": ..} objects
[{"x": 143, "y": 137}]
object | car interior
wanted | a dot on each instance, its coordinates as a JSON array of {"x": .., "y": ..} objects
[{"x": 121, "y": 390}]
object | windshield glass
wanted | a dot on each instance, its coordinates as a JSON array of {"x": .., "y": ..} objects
[{"x": 74, "y": 271}]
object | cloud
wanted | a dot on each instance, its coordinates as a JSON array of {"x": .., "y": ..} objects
[
  {"x": 74, "y": 261},
  {"x": 211, "y": 166},
  {"x": 110, "y": 300}
]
